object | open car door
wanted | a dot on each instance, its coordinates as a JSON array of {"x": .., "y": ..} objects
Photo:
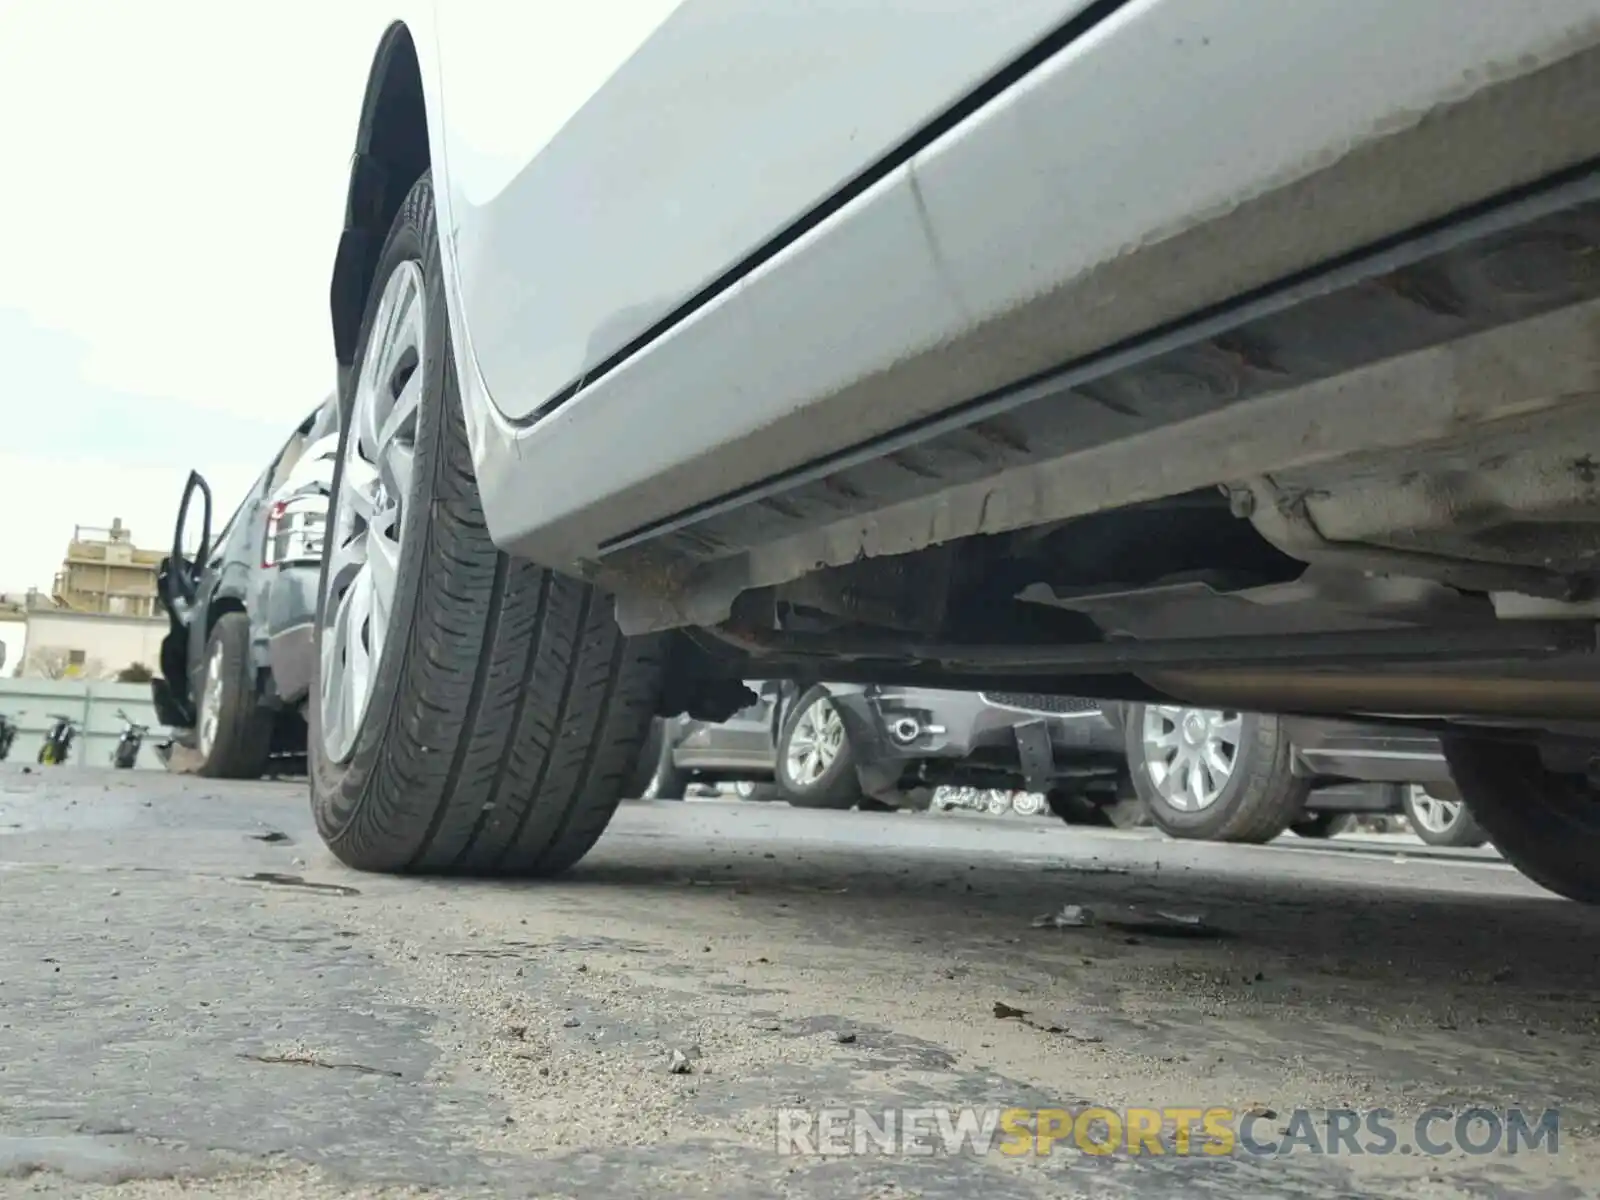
[{"x": 178, "y": 586}]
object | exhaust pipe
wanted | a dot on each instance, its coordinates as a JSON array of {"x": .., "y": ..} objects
[{"x": 905, "y": 730}]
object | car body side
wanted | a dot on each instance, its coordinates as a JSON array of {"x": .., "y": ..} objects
[{"x": 806, "y": 251}]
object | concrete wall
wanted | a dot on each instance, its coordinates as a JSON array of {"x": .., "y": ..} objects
[
  {"x": 29, "y": 702},
  {"x": 107, "y": 643}
]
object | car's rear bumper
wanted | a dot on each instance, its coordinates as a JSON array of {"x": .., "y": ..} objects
[{"x": 960, "y": 736}]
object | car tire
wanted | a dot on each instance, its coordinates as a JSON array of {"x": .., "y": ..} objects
[
  {"x": 1457, "y": 829},
  {"x": 656, "y": 776},
  {"x": 506, "y": 711},
  {"x": 240, "y": 732},
  {"x": 1545, "y": 823},
  {"x": 1319, "y": 826},
  {"x": 836, "y": 785},
  {"x": 1259, "y": 796}
]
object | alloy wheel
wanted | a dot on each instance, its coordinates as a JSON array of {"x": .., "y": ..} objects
[
  {"x": 1433, "y": 814},
  {"x": 211, "y": 700},
  {"x": 1190, "y": 753},
  {"x": 371, "y": 506},
  {"x": 814, "y": 743}
]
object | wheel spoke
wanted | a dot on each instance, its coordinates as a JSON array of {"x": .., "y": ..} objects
[{"x": 1217, "y": 762}]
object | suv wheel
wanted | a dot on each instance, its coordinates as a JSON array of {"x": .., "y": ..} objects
[
  {"x": 816, "y": 767},
  {"x": 1219, "y": 776},
  {"x": 472, "y": 712},
  {"x": 233, "y": 733}
]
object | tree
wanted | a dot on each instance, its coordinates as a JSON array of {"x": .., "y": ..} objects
[
  {"x": 135, "y": 673},
  {"x": 55, "y": 662}
]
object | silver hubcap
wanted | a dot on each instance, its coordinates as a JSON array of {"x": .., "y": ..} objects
[
  {"x": 211, "y": 700},
  {"x": 1433, "y": 814},
  {"x": 1190, "y": 753},
  {"x": 814, "y": 743},
  {"x": 1029, "y": 804},
  {"x": 370, "y": 509}
]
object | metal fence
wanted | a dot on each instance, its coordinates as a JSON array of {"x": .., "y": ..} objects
[{"x": 30, "y": 702}]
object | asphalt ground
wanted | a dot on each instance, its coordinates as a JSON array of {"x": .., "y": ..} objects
[{"x": 737, "y": 999}]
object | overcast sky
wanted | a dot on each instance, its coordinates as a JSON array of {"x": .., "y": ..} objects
[{"x": 174, "y": 183}]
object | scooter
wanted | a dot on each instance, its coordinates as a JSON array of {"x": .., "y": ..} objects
[
  {"x": 8, "y": 734},
  {"x": 58, "y": 742},
  {"x": 127, "y": 751}
]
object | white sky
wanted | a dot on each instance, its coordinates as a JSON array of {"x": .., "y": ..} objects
[{"x": 174, "y": 185}]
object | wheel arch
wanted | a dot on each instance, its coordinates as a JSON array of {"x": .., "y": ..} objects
[
  {"x": 220, "y": 607},
  {"x": 392, "y": 151}
]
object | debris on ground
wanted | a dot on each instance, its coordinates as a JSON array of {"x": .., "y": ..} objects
[
  {"x": 1006, "y": 1012},
  {"x": 679, "y": 1063},
  {"x": 1130, "y": 919},
  {"x": 844, "y": 1038},
  {"x": 307, "y": 1060},
  {"x": 270, "y": 836},
  {"x": 1070, "y": 916}
]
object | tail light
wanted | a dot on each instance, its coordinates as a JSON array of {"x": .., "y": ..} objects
[{"x": 294, "y": 530}]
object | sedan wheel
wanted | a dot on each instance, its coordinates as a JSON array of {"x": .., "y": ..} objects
[
  {"x": 1211, "y": 774},
  {"x": 1439, "y": 821},
  {"x": 1190, "y": 753}
]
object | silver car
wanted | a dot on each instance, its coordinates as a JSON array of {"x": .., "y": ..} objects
[{"x": 1167, "y": 351}]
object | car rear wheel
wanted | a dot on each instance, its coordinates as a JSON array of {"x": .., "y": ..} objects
[
  {"x": 1546, "y": 823},
  {"x": 816, "y": 766},
  {"x": 472, "y": 713},
  {"x": 1213, "y": 775},
  {"x": 233, "y": 732},
  {"x": 1440, "y": 821}
]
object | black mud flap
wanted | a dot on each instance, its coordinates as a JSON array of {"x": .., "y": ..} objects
[
  {"x": 170, "y": 711},
  {"x": 1035, "y": 754}
]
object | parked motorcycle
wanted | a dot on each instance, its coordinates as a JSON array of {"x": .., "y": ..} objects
[
  {"x": 127, "y": 751},
  {"x": 8, "y": 734},
  {"x": 58, "y": 742}
]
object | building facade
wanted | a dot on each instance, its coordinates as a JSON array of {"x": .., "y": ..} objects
[{"x": 104, "y": 572}]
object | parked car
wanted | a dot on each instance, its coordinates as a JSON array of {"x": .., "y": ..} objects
[
  {"x": 1247, "y": 777},
  {"x": 879, "y": 748},
  {"x": 237, "y": 660},
  {"x": 1006, "y": 370},
  {"x": 681, "y": 752}
]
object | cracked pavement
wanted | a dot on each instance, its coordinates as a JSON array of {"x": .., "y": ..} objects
[{"x": 197, "y": 1000}]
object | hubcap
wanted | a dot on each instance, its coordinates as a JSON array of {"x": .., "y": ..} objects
[
  {"x": 211, "y": 700},
  {"x": 1433, "y": 814},
  {"x": 814, "y": 743},
  {"x": 1190, "y": 753},
  {"x": 1028, "y": 804},
  {"x": 367, "y": 525}
]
